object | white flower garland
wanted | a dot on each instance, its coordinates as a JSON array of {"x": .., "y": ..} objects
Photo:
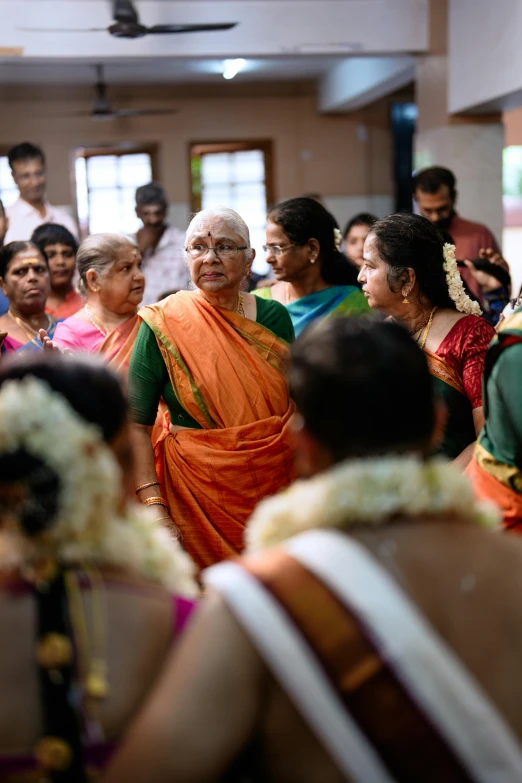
[
  {"x": 367, "y": 492},
  {"x": 87, "y": 529},
  {"x": 455, "y": 286},
  {"x": 338, "y": 238}
]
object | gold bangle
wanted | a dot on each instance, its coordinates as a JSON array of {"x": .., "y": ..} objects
[
  {"x": 160, "y": 518},
  {"x": 146, "y": 486},
  {"x": 156, "y": 503},
  {"x": 154, "y": 499}
]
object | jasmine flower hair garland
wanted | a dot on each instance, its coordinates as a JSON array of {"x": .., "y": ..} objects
[
  {"x": 455, "y": 286},
  {"x": 87, "y": 528}
]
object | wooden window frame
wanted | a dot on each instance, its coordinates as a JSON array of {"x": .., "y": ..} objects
[
  {"x": 120, "y": 150},
  {"x": 198, "y": 148}
]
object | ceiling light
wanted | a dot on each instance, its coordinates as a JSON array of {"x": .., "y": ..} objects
[{"x": 232, "y": 67}]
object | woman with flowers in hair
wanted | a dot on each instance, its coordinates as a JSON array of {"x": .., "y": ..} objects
[
  {"x": 412, "y": 276},
  {"x": 314, "y": 279},
  {"x": 93, "y": 591}
]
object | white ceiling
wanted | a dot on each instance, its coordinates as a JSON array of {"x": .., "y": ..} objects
[
  {"x": 294, "y": 29},
  {"x": 281, "y": 40},
  {"x": 163, "y": 71}
]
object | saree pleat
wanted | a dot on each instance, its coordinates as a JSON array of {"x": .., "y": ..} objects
[{"x": 229, "y": 375}]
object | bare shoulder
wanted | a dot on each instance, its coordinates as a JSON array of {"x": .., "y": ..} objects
[
  {"x": 450, "y": 317},
  {"x": 279, "y": 291},
  {"x": 250, "y": 306}
]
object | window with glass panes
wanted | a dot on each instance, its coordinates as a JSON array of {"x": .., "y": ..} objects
[
  {"x": 8, "y": 190},
  {"x": 237, "y": 175},
  {"x": 106, "y": 182}
]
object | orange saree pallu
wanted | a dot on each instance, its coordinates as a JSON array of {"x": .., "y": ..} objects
[
  {"x": 117, "y": 350},
  {"x": 229, "y": 375},
  {"x": 117, "y": 346}
]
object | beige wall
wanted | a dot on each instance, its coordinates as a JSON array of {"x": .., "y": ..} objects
[
  {"x": 512, "y": 127},
  {"x": 339, "y": 156}
]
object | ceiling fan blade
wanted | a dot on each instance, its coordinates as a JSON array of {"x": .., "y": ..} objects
[
  {"x": 143, "y": 112},
  {"x": 101, "y": 103},
  {"x": 124, "y": 11},
  {"x": 159, "y": 29},
  {"x": 63, "y": 29}
]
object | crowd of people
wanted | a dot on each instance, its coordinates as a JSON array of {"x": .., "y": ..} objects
[{"x": 290, "y": 556}]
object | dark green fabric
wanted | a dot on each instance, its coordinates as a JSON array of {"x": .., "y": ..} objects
[
  {"x": 460, "y": 427},
  {"x": 149, "y": 378},
  {"x": 502, "y": 434}
]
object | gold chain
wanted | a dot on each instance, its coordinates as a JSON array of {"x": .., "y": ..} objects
[
  {"x": 32, "y": 334},
  {"x": 95, "y": 321},
  {"x": 421, "y": 327},
  {"x": 240, "y": 309},
  {"x": 424, "y": 337}
]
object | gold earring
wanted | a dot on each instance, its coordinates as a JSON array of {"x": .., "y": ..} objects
[{"x": 406, "y": 300}]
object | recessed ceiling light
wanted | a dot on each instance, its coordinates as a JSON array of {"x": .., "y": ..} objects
[{"x": 232, "y": 67}]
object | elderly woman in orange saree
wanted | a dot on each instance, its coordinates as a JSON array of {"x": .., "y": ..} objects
[
  {"x": 111, "y": 279},
  {"x": 216, "y": 356}
]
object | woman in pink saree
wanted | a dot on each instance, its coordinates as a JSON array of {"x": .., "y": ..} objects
[{"x": 109, "y": 266}]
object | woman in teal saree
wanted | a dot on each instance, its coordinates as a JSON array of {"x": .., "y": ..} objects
[{"x": 315, "y": 281}]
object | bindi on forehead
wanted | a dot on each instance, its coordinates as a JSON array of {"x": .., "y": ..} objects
[{"x": 29, "y": 261}]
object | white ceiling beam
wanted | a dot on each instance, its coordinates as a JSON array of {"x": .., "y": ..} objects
[
  {"x": 358, "y": 81},
  {"x": 265, "y": 28},
  {"x": 485, "y": 56}
]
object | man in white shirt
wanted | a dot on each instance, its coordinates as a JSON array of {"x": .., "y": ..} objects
[
  {"x": 32, "y": 209},
  {"x": 161, "y": 245}
]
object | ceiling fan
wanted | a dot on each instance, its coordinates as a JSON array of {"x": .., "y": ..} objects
[
  {"x": 103, "y": 109},
  {"x": 126, "y": 24}
]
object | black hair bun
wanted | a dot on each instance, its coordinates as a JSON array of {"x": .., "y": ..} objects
[{"x": 40, "y": 505}]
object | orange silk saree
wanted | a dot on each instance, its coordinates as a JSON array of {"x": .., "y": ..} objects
[{"x": 229, "y": 374}]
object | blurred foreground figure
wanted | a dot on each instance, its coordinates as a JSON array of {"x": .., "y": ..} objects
[
  {"x": 91, "y": 587},
  {"x": 373, "y": 631},
  {"x": 496, "y": 467}
]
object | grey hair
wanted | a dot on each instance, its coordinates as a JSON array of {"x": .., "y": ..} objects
[
  {"x": 99, "y": 252},
  {"x": 228, "y": 215}
]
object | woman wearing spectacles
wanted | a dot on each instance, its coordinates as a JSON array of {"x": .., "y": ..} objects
[
  {"x": 314, "y": 279},
  {"x": 216, "y": 356}
]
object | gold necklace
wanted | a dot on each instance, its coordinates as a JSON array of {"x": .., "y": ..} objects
[
  {"x": 421, "y": 327},
  {"x": 424, "y": 336},
  {"x": 31, "y": 333},
  {"x": 95, "y": 321},
  {"x": 240, "y": 309}
]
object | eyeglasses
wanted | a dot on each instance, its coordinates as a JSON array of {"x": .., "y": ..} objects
[
  {"x": 276, "y": 250},
  {"x": 222, "y": 250}
]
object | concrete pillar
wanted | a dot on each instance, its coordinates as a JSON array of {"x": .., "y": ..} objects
[{"x": 470, "y": 145}]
